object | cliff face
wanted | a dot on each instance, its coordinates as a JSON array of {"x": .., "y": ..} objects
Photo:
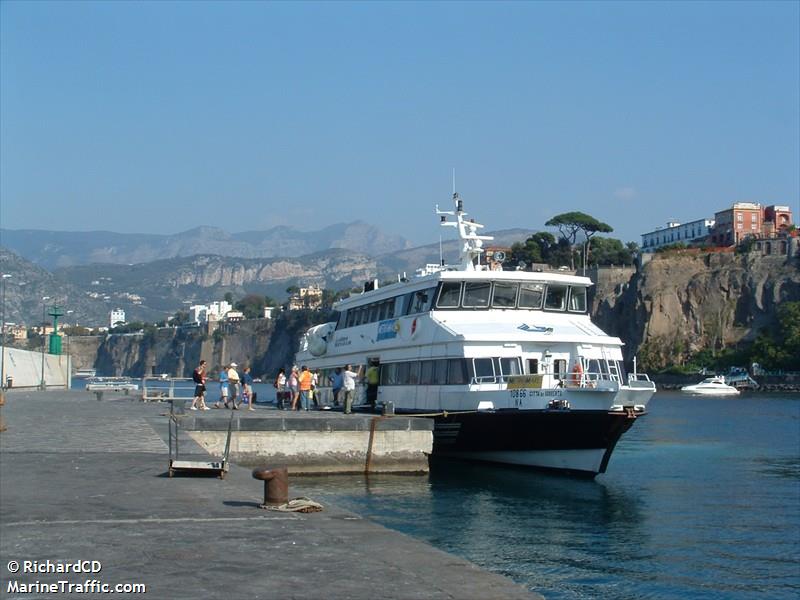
[
  {"x": 265, "y": 345},
  {"x": 667, "y": 310},
  {"x": 677, "y": 305}
]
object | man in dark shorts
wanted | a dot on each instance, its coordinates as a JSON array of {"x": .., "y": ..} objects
[{"x": 199, "y": 378}]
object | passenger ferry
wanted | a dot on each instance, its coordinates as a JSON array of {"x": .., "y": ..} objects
[{"x": 508, "y": 363}]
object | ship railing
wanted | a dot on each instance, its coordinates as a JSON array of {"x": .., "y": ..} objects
[{"x": 640, "y": 380}]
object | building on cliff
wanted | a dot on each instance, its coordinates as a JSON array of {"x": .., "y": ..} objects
[
  {"x": 116, "y": 317},
  {"x": 727, "y": 228},
  {"x": 209, "y": 313},
  {"x": 310, "y": 297},
  {"x": 688, "y": 233}
]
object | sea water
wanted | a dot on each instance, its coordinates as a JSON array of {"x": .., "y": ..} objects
[{"x": 701, "y": 500}]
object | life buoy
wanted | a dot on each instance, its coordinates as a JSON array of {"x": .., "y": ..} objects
[{"x": 577, "y": 374}]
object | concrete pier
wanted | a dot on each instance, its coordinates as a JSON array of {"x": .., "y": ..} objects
[
  {"x": 86, "y": 480},
  {"x": 316, "y": 442}
]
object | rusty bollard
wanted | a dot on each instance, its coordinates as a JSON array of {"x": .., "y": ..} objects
[{"x": 276, "y": 485}]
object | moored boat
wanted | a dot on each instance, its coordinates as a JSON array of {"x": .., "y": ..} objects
[
  {"x": 508, "y": 363},
  {"x": 85, "y": 373},
  {"x": 712, "y": 386}
]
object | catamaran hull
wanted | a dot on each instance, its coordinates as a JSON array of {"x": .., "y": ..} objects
[{"x": 575, "y": 441}]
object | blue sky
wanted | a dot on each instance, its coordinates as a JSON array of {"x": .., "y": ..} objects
[{"x": 158, "y": 117}]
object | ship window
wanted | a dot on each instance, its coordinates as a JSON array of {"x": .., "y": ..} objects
[
  {"x": 530, "y": 295},
  {"x": 560, "y": 368},
  {"x": 577, "y": 299},
  {"x": 449, "y": 294},
  {"x": 383, "y": 308},
  {"x": 556, "y": 297},
  {"x": 413, "y": 372},
  {"x": 510, "y": 366},
  {"x": 389, "y": 374},
  {"x": 483, "y": 367},
  {"x": 426, "y": 372},
  {"x": 440, "y": 373},
  {"x": 373, "y": 312},
  {"x": 421, "y": 301},
  {"x": 476, "y": 294},
  {"x": 456, "y": 371},
  {"x": 362, "y": 315},
  {"x": 401, "y": 377},
  {"x": 389, "y": 308},
  {"x": 533, "y": 366},
  {"x": 505, "y": 295},
  {"x": 349, "y": 321}
]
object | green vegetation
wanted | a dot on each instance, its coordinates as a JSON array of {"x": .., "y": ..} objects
[
  {"x": 570, "y": 224},
  {"x": 779, "y": 346},
  {"x": 252, "y": 305},
  {"x": 543, "y": 248},
  {"x": 776, "y": 348}
]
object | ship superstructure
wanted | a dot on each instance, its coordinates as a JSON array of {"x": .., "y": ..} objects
[{"x": 508, "y": 363}]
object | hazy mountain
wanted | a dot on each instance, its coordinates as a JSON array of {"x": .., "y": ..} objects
[
  {"x": 153, "y": 290},
  {"x": 30, "y": 283},
  {"x": 408, "y": 261},
  {"x": 54, "y": 249}
]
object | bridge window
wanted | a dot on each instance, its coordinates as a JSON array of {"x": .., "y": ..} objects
[
  {"x": 505, "y": 295},
  {"x": 530, "y": 295},
  {"x": 449, "y": 294},
  {"x": 556, "y": 297},
  {"x": 476, "y": 294},
  {"x": 577, "y": 299}
]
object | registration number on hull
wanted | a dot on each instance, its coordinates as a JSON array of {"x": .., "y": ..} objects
[{"x": 519, "y": 395}]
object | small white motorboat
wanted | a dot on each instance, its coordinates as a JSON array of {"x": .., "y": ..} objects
[{"x": 713, "y": 386}]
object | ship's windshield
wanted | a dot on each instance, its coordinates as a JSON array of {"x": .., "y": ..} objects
[{"x": 525, "y": 295}]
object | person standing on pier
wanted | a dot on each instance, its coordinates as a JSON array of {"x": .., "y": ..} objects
[
  {"x": 223, "y": 388},
  {"x": 336, "y": 385},
  {"x": 247, "y": 388},
  {"x": 199, "y": 378},
  {"x": 233, "y": 385},
  {"x": 280, "y": 388},
  {"x": 349, "y": 383},
  {"x": 373, "y": 376},
  {"x": 304, "y": 383},
  {"x": 294, "y": 391}
]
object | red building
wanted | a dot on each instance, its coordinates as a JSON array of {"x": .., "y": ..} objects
[{"x": 746, "y": 219}]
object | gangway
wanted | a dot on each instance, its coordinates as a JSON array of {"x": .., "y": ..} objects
[{"x": 177, "y": 465}]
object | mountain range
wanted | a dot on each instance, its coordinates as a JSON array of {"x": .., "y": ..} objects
[
  {"x": 56, "y": 249},
  {"x": 154, "y": 289}
]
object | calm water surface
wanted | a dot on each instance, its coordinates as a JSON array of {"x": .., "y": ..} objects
[{"x": 702, "y": 500}]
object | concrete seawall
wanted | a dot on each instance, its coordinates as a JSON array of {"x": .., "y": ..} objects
[
  {"x": 317, "y": 442},
  {"x": 25, "y": 368}
]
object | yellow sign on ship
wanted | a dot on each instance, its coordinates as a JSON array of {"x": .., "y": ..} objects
[{"x": 518, "y": 382}]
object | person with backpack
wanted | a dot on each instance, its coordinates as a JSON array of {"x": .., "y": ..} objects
[{"x": 199, "y": 378}]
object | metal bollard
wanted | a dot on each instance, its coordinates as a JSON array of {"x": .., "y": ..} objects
[{"x": 276, "y": 485}]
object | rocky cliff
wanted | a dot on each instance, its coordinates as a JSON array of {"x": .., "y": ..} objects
[
  {"x": 679, "y": 304},
  {"x": 265, "y": 345},
  {"x": 670, "y": 308}
]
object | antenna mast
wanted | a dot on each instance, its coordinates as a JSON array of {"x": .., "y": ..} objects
[{"x": 472, "y": 246}]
